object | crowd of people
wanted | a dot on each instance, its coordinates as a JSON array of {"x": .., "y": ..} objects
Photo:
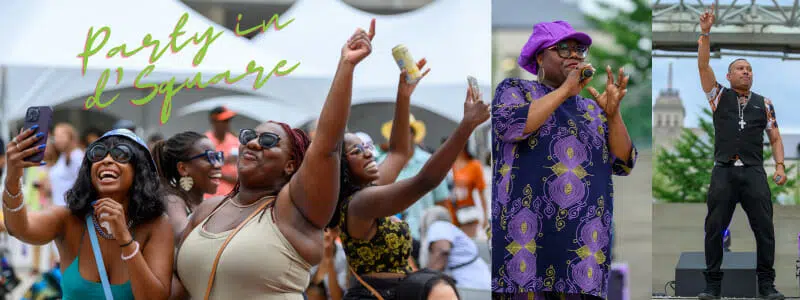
[{"x": 273, "y": 213}]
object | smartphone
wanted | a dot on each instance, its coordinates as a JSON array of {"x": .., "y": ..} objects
[
  {"x": 778, "y": 179},
  {"x": 473, "y": 84},
  {"x": 42, "y": 116}
]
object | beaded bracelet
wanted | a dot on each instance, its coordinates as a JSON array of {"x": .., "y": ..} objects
[
  {"x": 125, "y": 258},
  {"x": 16, "y": 209}
]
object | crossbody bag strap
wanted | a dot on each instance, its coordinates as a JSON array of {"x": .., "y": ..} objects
[
  {"x": 98, "y": 258},
  {"x": 228, "y": 240},
  {"x": 477, "y": 256},
  {"x": 363, "y": 283}
]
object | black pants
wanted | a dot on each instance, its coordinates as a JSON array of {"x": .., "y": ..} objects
[{"x": 746, "y": 185}]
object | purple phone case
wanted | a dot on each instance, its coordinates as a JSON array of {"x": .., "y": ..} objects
[{"x": 43, "y": 118}]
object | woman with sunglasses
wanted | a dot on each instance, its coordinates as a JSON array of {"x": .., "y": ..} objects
[
  {"x": 188, "y": 167},
  {"x": 113, "y": 236},
  {"x": 378, "y": 245},
  {"x": 551, "y": 224},
  {"x": 261, "y": 240}
]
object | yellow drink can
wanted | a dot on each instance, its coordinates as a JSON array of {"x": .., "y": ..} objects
[{"x": 406, "y": 62}]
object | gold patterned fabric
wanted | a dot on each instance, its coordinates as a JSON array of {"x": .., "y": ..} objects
[{"x": 387, "y": 252}]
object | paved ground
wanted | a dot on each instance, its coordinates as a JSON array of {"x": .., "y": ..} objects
[{"x": 632, "y": 216}]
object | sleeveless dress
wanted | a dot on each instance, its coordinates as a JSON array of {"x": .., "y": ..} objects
[{"x": 258, "y": 263}]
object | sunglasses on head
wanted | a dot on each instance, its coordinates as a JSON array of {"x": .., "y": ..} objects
[
  {"x": 265, "y": 139},
  {"x": 565, "y": 51},
  {"x": 361, "y": 148},
  {"x": 213, "y": 157},
  {"x": 120, "y": 153}
]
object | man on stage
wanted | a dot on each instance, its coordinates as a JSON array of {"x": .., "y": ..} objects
[{"x": 740, "y": 119}]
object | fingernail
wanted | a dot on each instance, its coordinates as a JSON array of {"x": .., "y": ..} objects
[
  {"x": 39, "y": 134},
  {"x": 41, "y": 147},
  {"x": 34, "y": 127}
]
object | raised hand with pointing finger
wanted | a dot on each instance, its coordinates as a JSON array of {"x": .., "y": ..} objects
[{"x": 359, "y": 45}]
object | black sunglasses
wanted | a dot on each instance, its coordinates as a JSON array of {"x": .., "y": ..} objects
[
  {"x": 213, "y": 157},
  {"x": 120, "y": 153},
  {"x": 565, "y": 51},
  {"x": 265, "y": 139}
]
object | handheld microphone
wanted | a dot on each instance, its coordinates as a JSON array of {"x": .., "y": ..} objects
[{"x": 586, "y": 72}]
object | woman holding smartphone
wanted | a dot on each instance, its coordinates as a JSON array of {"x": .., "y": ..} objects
[
  {"x": 377, "y": 244},
  {"x": 114, "y": 198}
]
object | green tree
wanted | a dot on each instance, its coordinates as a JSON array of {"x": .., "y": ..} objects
[
  {"x": 683, "y": 174},
  {"x": 630, "y": 30}
]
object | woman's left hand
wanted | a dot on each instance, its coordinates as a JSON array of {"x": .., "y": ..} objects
[
  {"x": 110, "y": 212},
  {"x": 610, "y": 99}
]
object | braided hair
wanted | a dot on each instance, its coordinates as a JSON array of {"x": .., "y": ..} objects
[{"x": 348, "y": 185}]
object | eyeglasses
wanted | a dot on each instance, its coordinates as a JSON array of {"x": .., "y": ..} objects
[
  {"x": 361, "y": 148},
  {"x": 120, "y": 153},
  {"x": 265, "y": 139},
  {"x": 565, "y": 51},
  {"x": 213, "y": 157}
]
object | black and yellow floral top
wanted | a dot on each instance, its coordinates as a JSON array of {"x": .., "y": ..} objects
[{"x": 387, "y": 252}]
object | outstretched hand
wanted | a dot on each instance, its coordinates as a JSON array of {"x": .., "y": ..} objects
[
  {"x": 359, "y": 45},
  {"x": 610, "y": 99},
  {"x": 404, "y": 87}
]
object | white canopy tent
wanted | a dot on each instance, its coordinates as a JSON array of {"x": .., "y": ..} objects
[
  {"x": 452, "y": 35},
  {"x": 41, "y": 66}
]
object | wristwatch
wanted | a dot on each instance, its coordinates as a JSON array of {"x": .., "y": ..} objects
[
  {"x": 780, "y": 163},
  {"x": 705, "y": 34}
]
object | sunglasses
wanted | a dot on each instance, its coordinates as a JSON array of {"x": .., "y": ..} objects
[
  {"x": 213, "y": 157},
  {"x": 120, "y": 153},
  {"x": 361, "y": 148},
  {"x": 265, "y": 139},
  {"x": 565, "y": 51}
]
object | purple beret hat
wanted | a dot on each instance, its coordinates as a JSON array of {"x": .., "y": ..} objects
[{"x": 547, "y": 34}]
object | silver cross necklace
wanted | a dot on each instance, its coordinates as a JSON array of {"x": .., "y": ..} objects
[{"x": 742, "y": 106}]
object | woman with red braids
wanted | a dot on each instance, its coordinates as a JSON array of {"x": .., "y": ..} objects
[{"x": 260, "y": 241}]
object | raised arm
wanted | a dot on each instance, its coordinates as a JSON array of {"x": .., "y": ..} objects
[
  {"x": 382, "y": 201},
  {"x": 400, "y": 141},
  {"x": 314, "y": 189},
  {"x": 707, "y": 78},
  {"x": 36, "y": 228}
]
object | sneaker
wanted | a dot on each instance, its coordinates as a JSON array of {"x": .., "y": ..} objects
[
  {"x": 713, "y": 286},
  {"x": 770, "y": 293}
]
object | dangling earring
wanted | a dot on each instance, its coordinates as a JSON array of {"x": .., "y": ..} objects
[{"x": 186, "y": 183}]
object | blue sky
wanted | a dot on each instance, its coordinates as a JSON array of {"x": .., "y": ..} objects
[{"x": 773, "y": 78}]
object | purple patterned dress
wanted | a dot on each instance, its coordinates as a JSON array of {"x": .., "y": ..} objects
[{"x": 552, "y": 199}]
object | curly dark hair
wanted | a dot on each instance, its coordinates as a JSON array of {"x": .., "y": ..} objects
[
  {"x": 144, "y": 203},
  {"x": 167, "y": 154},
  {"x": 348, "y": 185},
  {"x": 300, "y": 143}
]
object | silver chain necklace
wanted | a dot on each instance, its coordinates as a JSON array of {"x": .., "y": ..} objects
[{"x": 742, "y": 106}]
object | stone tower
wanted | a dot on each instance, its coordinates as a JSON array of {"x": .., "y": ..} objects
[{"x": 668, "y": 115}]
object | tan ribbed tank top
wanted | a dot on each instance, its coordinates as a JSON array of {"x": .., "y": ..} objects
[{"x": 258, "y": 263}]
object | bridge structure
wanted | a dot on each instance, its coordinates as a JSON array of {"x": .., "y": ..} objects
[{"x": 763, "y": 28}]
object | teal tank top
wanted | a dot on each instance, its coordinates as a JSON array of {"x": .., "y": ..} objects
[{"x": 75, "y": 287}]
